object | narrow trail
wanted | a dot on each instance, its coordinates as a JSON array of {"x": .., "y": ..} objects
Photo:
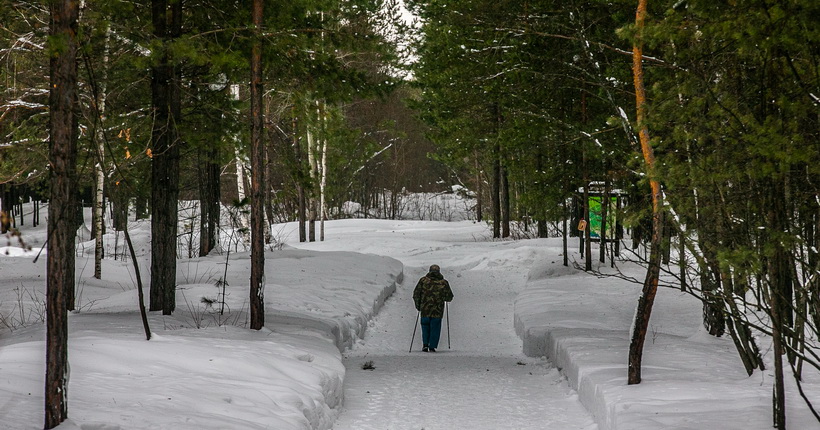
[{"x": 483, "y": 381}]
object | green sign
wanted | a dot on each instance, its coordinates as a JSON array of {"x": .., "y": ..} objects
[{"x": 595, "y": 216}]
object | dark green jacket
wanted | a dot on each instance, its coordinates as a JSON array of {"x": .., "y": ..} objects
[{"x": 430, "y": 294}]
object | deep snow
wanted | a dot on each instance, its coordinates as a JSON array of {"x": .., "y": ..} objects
[{"x": 290, "y": 375}]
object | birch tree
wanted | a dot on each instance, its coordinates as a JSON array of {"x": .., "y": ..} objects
[{"x": 99, "y": 166}]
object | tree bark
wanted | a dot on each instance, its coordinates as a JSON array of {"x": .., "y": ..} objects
[
  {"x": 146, "y": 328},
  {"x": 62, "y": 160},
  {"x": 565, "y": 244},
  {"x": 496, "y": 188},
  {"x": 585, "y": 234},
  {"x": 209, "y": 199},
  {"x": 505, "y": 200},
  {"x": 76, "y": 207},
  {"x": 300, "y": 180},
  {"x": 814, "y": 262},
  {"x": 711, "y": 281},
  {"x": 159, "y": 137},
  {"x": 118, "y": 198},
  {"x": 208, "y": 173},
  {"x": 479, "y": 210},
  {"x": 682, "y": 259},
  {"x": 257, "y": 281},
  {"x": 650, "y": 286},
  {"x": 780, "y": 296},
  {"x": 313, "y": 165},
  {"x": 244, "y": 216},
  {"x": 99, "y": 168},
  {"x": 175, "y": 107},
  {"x": 323, "y": 176},
  {"x": 164, "y": 165}
]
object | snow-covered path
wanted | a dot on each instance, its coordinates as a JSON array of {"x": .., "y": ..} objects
[{"x": 484, "y": 381}]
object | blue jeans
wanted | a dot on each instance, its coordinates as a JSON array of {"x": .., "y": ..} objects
[{"x": 430, "y": 331}]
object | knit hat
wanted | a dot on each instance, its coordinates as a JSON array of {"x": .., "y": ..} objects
[{"x": 435, "y": 268}]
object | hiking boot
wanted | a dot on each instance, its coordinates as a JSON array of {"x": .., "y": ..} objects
[
  {"x": 432, "y": 350},
  {"x": 425, "y": 349}
]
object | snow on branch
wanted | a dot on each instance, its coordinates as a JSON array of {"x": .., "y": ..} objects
[
  {"x": 376, "y": 154},
  {"x": 21, "y": 103}
]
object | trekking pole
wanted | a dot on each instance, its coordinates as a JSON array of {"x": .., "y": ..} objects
[
  {"x": 414, "y": 331},
  {"x": 447, "y": 312}
]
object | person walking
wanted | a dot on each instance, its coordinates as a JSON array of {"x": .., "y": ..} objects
[{"x": 429, "y": 296}]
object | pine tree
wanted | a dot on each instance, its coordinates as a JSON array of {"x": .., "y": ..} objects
[
  {"x": 257, "y": 280},
  {"x": 62, "y": 156}
]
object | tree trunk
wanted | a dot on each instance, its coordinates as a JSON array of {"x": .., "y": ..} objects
[
  {"x": 780, "y": 295},
  {"x": 244, "y": 217},
  {"x": 98, "y": 218},
  {"x": 479, "y": 197},
  {"x": 300, "y": 180},
  {"x": 496, "y": 190},
  {"x": 140, "y": 207},
  {"x": 565, "y": 235},
  {"x": 267, "y": 191},
  {"x": 313, "y": 165},
  {"x": 779, "y": 390},
  {"x": 159, "y": 137},
  {"x": 587, "y": 240},
  {"x": 682, "y": 260},
  {"x": 257, "y": 288},
  {"x": 77, "y": 209},
  {"x": 666, "y": 243},
  {"x": 209, "y": 195},
  {"x": 650, "y": 286},
  {"x": 99, "y": 168},
  {"x": 141, "y": 298},
  {"x": 323, "y": 178},
  {"x": 585, "y": 236},
  {"x": 619, "y": 228},
  {"x": 505, "y": 200},
  {"x": 496, "y": 160},
  {"x": 814, "y": 262},
  {"x": 6, "y": 218},
  {"x": 62, "y": 160},
  {"x": 164, "y": 165},
  {"x": 175, "y": 107},
  {"x": 209, "y": 198},
  {"x": 711, "y": 285}
]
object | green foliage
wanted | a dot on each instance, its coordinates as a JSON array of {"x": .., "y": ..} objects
[
  {"x": 538, "y": 80},
  {"x": 316, "y": 49}
]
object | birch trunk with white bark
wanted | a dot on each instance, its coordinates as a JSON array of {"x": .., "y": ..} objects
[
  {"x": 99, "y": 168},
  {"x": 243, "y": 216},
  {"x": 323, "y": 184}
]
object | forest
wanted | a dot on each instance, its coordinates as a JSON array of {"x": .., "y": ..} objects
[{"x": 696, "y": 121}]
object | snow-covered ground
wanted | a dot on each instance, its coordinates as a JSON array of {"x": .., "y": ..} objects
[
  {"x": 478, "y": 379},
  {"x": 203, "y": 370},
  {"x": 690, "y": 380}
]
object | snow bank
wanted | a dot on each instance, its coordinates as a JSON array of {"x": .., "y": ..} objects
[
  {"x": 690, "y": 380},
  {"x": 201, "y": 370}
]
